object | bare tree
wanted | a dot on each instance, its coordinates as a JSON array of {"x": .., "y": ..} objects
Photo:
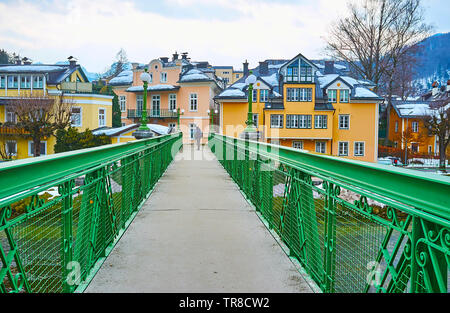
[
  {"x": 376, "y": 39},
  {"x": 407, "y": 137},
  {"x": 121, "y": 58},
  {"x": 437, "y": 121},
  {"x": 41, "y": 116}
]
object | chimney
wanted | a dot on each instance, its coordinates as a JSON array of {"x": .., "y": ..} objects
[
  {"x": 184, "y": 56},
  {"x": 435, "y": 89},
  {"x": 26, "y": 61},
  {"x": 329, "y": 67},
  {"x": 72, "y": 62},
  {"x": 18, "y": 60},
  {"x": 175, "y": 56},
  {"x": 164, "y": 59},
  {"x": 263, "y": 68},
  {"x": 245, "y": 68}
]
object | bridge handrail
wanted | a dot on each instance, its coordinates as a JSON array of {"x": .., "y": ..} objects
[
  {"x": 404, "y": 185},
  {"x": 61, "y": 215},
  {"x": 354, "y": 226}
]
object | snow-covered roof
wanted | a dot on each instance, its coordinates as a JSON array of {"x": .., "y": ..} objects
[
  {"x": 31, "y": 68},
  {"x": 124, "y": 78},
  {"x": 115, "y": 131},
  {"x": 232, "y": 92},
  {"x": 194, "y": 75},
  {"x": 272, "y": 79},
  {"x": 411, "y": 108},
  {"x": 362, "y": 92},
  {"x": 358, "y": 86},
  {"x": 152, "y": 88}
]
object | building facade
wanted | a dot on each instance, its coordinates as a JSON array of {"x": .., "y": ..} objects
[
  {"x": 228, "y": 74},
  {"x": 296, "y": 105},
  {"x": 175, "y": 84},
  {"x": 406, "y": 126},
  {"x": 89, "y": 110}
]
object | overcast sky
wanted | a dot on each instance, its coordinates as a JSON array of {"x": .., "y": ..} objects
[{"x": 223, "y": 32}]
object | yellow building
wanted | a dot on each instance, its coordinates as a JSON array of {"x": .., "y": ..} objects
[
  {"x": 228, "y": 74},
  {"x": 89, "y": 110},
  {"x": 175, "y": 84},
  {"x": 296, "y": 105}
]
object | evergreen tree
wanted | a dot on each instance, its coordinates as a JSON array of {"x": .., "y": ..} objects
[
  {"x": 5, "y": 58},
  {"x": 71, "y": 139}
]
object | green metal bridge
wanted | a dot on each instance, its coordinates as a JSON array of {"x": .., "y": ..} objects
[{"x": 350, "y": 226}]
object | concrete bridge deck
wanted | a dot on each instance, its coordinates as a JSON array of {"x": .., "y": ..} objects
[{"x": 197, "y": 233}]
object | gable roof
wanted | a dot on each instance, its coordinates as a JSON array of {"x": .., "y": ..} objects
[{"x": 55, "y": 73}]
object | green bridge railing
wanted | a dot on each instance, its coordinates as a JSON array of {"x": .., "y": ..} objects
[
  {"x": 61, "y": 215},
  {"x": 353, "y": 226}
]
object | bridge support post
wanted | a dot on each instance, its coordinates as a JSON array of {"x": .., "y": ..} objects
[{"x": 67, "y": 237}]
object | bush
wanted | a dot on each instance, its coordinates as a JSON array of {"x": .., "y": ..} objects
[{"x": 71, "y": 139}]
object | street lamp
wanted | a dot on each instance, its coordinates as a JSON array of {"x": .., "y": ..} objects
[
  {"x": 143, "y": 130},
  {"x": 250, "y": 132},
  {"x": 177, "y": 111}
]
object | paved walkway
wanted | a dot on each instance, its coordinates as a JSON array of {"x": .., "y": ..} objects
[{"x": 196, "y": 233}]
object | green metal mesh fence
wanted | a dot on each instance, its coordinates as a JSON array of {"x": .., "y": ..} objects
[
  {"x": 347, "y": 238},
  {"x": 52, "y": 236}
]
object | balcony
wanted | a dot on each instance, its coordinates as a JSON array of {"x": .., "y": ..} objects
[
  {"x": 161, "y": 113},
  {"x": 12, "y": 130},
  {"x": 76, "y": 87}
]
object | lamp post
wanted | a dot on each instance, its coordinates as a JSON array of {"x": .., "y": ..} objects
[
  {"x": 177, "y": 111},
  {"x": 143, "y": 130},
  {"x": 211, "y": 122},
  {"x": 250, "y": 132}
]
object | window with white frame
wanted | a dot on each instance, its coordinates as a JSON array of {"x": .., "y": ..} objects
[
  {"x": 343, "y": 148},
  {"x": 396, "y": 126},
  {"x": 191, "y": 131},
  {"x": 2, "y": 81},
  {"x": 344, "y": 121},
  {"x": 359, "y": 148},
  {"x": 415, "y": 127},
  {"x": 344, "y": 95},
  {"x": 321, "y": 146},
  {"x": 332, "y": 95},
  {"x": 193, "y": 102},
  {"x": 255, "y": 119},
  {"x": 276, "y": 120},
  {"x": 156, "y": 105},
  {"x": 430, "y": 149},
  {"x": 25, "y": 82},
  {"x": 38, "y": 82},
  {"x": 123, "y": 103},
  {"x": 11, "y": 147},
  {"x": 172, "y": 125},
  {"x": 101, "y": 117},
  {"x": 297, "y": 144},
  {"x": 151, "y": 77},
  {"x": 320, "y": 121},
  {"x": 10, "y": 115},
  {"x": 43, "y": 148},
  {"x": 299, "y": 94},
  {"x": 76, "y": 116},
  {"x": 172, "y": 101},
  {"x": 263, "y": 95},
  {"x": 139, "y": 103},
  {"x": 163, "y": 77},
  {"x": 123, "y": 124},
  {"x": 298, "y": 121},
  {"x": 254, "y": 95},
  {"x": 13, "y": 82}
]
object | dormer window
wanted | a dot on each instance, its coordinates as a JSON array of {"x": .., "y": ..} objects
[
  {"x": 344, "y": 95},
  {"x": 306, "y": 73},
  {"x": 332, "y": 95},
  {"x": 163, "y": 77}
]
